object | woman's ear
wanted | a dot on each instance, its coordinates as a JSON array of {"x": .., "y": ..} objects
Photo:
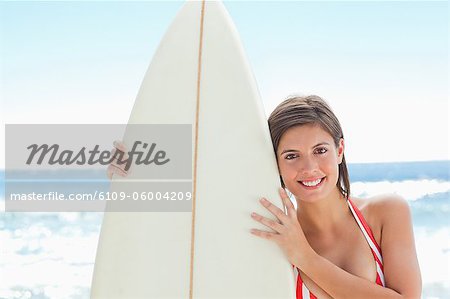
[{"x": 341, "y": 150}]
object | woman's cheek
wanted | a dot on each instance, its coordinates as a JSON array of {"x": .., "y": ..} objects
[
  {"x": 330, "y": 163},
  {"x": 288, "y": 171},
  {"x": 284, "y": 170}
]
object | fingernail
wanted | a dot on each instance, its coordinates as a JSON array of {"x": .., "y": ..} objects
[{"x": 262, "y": 199}]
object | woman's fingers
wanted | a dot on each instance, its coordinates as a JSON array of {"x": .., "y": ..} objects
[
  {"x": 120, "y": 145},
  {"x": 276, "y": 226},
  {"x": 120, "y": 155},
  {"x": 277, "y": 212},
  {"x": 114, "y": 169},
  {"x": 287, "y": 203},
  {"x": 263, "y": 234},
  {"x": 119, "y": 152}
]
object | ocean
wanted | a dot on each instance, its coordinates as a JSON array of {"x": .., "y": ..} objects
[{"x": 51, "y": 255}]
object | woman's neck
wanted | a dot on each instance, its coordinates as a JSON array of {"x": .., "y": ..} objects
[{"x": 323, "y": 216}]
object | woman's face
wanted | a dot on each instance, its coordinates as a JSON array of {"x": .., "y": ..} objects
[{"x": 308, "y": 161}]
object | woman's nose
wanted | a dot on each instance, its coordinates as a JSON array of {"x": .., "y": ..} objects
[{"x": 308, "y": 166}]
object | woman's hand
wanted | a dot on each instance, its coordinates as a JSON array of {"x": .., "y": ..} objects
[
  {"x": 115, "y": 167},
  {"x": 288, "y": 233}
]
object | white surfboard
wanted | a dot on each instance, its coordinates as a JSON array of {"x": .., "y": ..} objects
[{"x": 148, "y": 254}]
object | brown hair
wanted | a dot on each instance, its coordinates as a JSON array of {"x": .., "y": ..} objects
[{"x": 298, "y": 110}]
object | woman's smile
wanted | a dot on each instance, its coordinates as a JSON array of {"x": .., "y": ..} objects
[{"x": 312, "y": 184}]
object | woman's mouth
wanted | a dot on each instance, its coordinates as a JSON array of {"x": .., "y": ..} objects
[{"x": 312, "y": 184}]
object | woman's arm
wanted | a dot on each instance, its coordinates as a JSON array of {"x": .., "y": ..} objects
[{"x": 401, "y": 269}]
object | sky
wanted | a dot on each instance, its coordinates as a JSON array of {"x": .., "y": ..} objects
[{"x": 382, "y": 65}]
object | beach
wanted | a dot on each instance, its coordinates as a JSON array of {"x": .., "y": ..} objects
[{"x": 51, "y": 255}]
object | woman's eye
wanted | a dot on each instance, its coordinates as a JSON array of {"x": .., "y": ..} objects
[
  {"x": 321, "y": 150},
  {"x": 290, "y": 156}
]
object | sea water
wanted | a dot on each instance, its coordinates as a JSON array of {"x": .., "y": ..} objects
[{"x": 51, "y": 255}]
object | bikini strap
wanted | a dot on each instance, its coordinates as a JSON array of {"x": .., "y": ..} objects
[
  {"x": 366, "y": 230},
  {"x": 374, "y": 247}
]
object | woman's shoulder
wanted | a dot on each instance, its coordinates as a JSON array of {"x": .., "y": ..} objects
[
  {"x": 380, "y": 209},
  {"x": 380, "y": 204}
]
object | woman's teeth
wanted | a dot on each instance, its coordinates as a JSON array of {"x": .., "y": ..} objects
[{"x": 311, "y": 183}]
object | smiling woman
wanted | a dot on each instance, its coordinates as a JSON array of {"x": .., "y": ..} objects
[{"x": 340, "y": 246}]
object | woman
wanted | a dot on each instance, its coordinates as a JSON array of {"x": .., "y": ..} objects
[{"x": 340, "y": 246}]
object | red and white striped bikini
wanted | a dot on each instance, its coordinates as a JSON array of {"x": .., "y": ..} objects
[{"x": 302, "y": 290}]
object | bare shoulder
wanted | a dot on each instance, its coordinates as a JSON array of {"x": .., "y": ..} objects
[
  {"x": 386, "y": 206},
  {"x": 381, "y": 209},
  {"x": 378, "y": 204}
]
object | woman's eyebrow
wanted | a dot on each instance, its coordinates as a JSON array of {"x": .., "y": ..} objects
[
  {"x": 289, "y": 150},
  {"x": 321, "y": 143},
  {"x": 296, "y": 151}
]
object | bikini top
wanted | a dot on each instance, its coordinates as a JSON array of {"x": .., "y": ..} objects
[{"x": 303, "y": 292}]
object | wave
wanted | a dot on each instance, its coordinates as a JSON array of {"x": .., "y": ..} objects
[
  {"x": 429, "y": 199},
  {"x": 399, "y": 171},
  {"x": 411, "y": 190}
]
